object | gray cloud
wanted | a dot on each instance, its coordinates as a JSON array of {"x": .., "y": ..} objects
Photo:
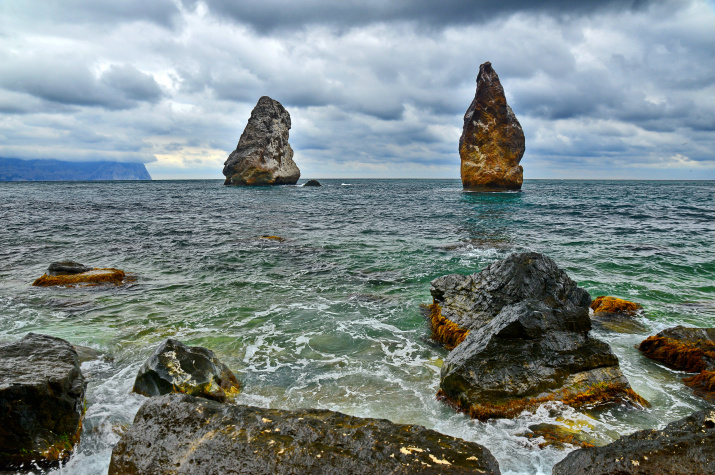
[
  {"x": 374, "y": 89},
  {"x": 270, "y": 15}
]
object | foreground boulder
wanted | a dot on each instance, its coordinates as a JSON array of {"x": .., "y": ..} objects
[
  {"x": 194, "y": 370},
  {"x": 492, "y": 141},
  {"x": 686, "y": 349},
  {"x": 684, "y": 447},
  {"x": 180, "y": 434},
  {"x": 263, "y": 155},
  {"x": 528, "y": 342},
  {"x": 467, "y": 302},
  {"x": 72, "y": 273},
  {"x": 41, "y": 401},
  {"x": 617, "y": 315}
]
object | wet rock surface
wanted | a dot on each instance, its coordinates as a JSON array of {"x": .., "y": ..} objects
[
  {"x": 471, "y": 301},
  {"x": 686, "y": 446},
  {"x": 686, "y": 349},
  {"x": 528, "y": 342},
  {"x": 492, "y": 141},
  {"x": 180, "y": 434},
  {"x": 263, "y": 155},
  {"x": 312, "y": 183},
  {"x": 41, "y": 401},
  {"x": 67, "y": 268},
  {"x": 194, "y": 370}
]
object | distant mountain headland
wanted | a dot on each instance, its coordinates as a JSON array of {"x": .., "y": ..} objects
[{"x": 13, "y": 169}]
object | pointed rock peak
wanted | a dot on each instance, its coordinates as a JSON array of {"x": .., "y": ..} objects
[
  {"x": 492, "y": 141},
  {"x": 263, "y": 155}
]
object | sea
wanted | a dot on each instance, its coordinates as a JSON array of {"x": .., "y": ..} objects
[{"x": 329, "y": 316}]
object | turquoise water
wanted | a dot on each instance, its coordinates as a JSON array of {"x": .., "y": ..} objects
[{"x": 330, "y": 317}]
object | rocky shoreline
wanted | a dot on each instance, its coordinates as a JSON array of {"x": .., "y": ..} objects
[{"x": 519, "y": 337}]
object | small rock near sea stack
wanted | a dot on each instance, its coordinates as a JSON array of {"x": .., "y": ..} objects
[
  {"x": 180, "y": 434},
  {"x": 527, "y": 342},
  {"x": 684, "y": 447},
  {"x": 194, "y": 370},
  {"x": 263, "y": 155},
  {"x": 312, "y": 183},
  {"x": 686, "y": 349},
  {"x": 492, "y": 141},
  {"x": 41, "y": 401}
]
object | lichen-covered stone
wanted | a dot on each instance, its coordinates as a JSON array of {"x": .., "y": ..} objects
[
  {"x": 492, "y": 141},
  {"x": 263, "y": 155},
  {"x": 180, "y": 434},
  {"x": 41, "y": 401},
  {"x": 528, "y": 341},
  {"x": 686, "y": 349},
  {"x": 194, "y": 370},
  {"x": 684, "y": 447}
]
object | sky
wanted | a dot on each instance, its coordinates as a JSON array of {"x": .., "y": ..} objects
[{"x": 375, "y": 88}]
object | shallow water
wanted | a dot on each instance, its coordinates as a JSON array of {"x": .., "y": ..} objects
[{"x": 330, "y": 318}]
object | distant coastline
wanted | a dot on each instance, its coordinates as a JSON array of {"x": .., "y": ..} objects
[{"x": 14, "y": 169}]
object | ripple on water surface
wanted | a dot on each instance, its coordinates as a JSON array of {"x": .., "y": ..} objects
[{"x": 329, "y": 316}]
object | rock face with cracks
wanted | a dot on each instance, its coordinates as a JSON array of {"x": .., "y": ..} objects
[
  {"x": 528, "y": 342},
  {"x": 180, "y": 434},
  {"x": 684, "y": 447},
  {"x": 176, "y": 367},
  {"x": 41, "y": 401},
  {"x": 263, "y": 155},
  {"x": 492, "y": 141}
]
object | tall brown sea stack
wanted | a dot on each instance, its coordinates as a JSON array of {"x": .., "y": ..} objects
[
  {"x": 492, "y": 141},
  {"x": 263, "y": 155}
]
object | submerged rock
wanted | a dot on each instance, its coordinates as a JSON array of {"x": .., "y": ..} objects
[
  {"x": 684, "y": 447},
  {"x": 312, "y": 183},
  {"x": 41, "y": 401},
  {"x": 467, "y": 302},
  {"x": 614, "y": 314},
  {"x": 686, "y": 349},
  {"x": 528, "y": 342},
  {"x": 194, "y": 370},
  {"x": 263, "y": 155},
  {"x": 492, "y": 141},
  {"x": 180, "y": 434}
]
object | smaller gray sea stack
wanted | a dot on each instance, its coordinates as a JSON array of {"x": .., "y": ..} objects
[{"x": 263, "y": 155}]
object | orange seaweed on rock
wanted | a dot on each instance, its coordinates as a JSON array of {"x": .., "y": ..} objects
[
  {"x": 95, "y": 276},
  {"x": 686, "y": 349},
  {"x": 444, "y": 330},
  {"x": 596, "y": 395},
  {"x": 610, "y": 304}
]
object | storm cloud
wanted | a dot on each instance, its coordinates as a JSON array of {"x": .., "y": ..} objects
[{"x": 603, "y": 89}]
